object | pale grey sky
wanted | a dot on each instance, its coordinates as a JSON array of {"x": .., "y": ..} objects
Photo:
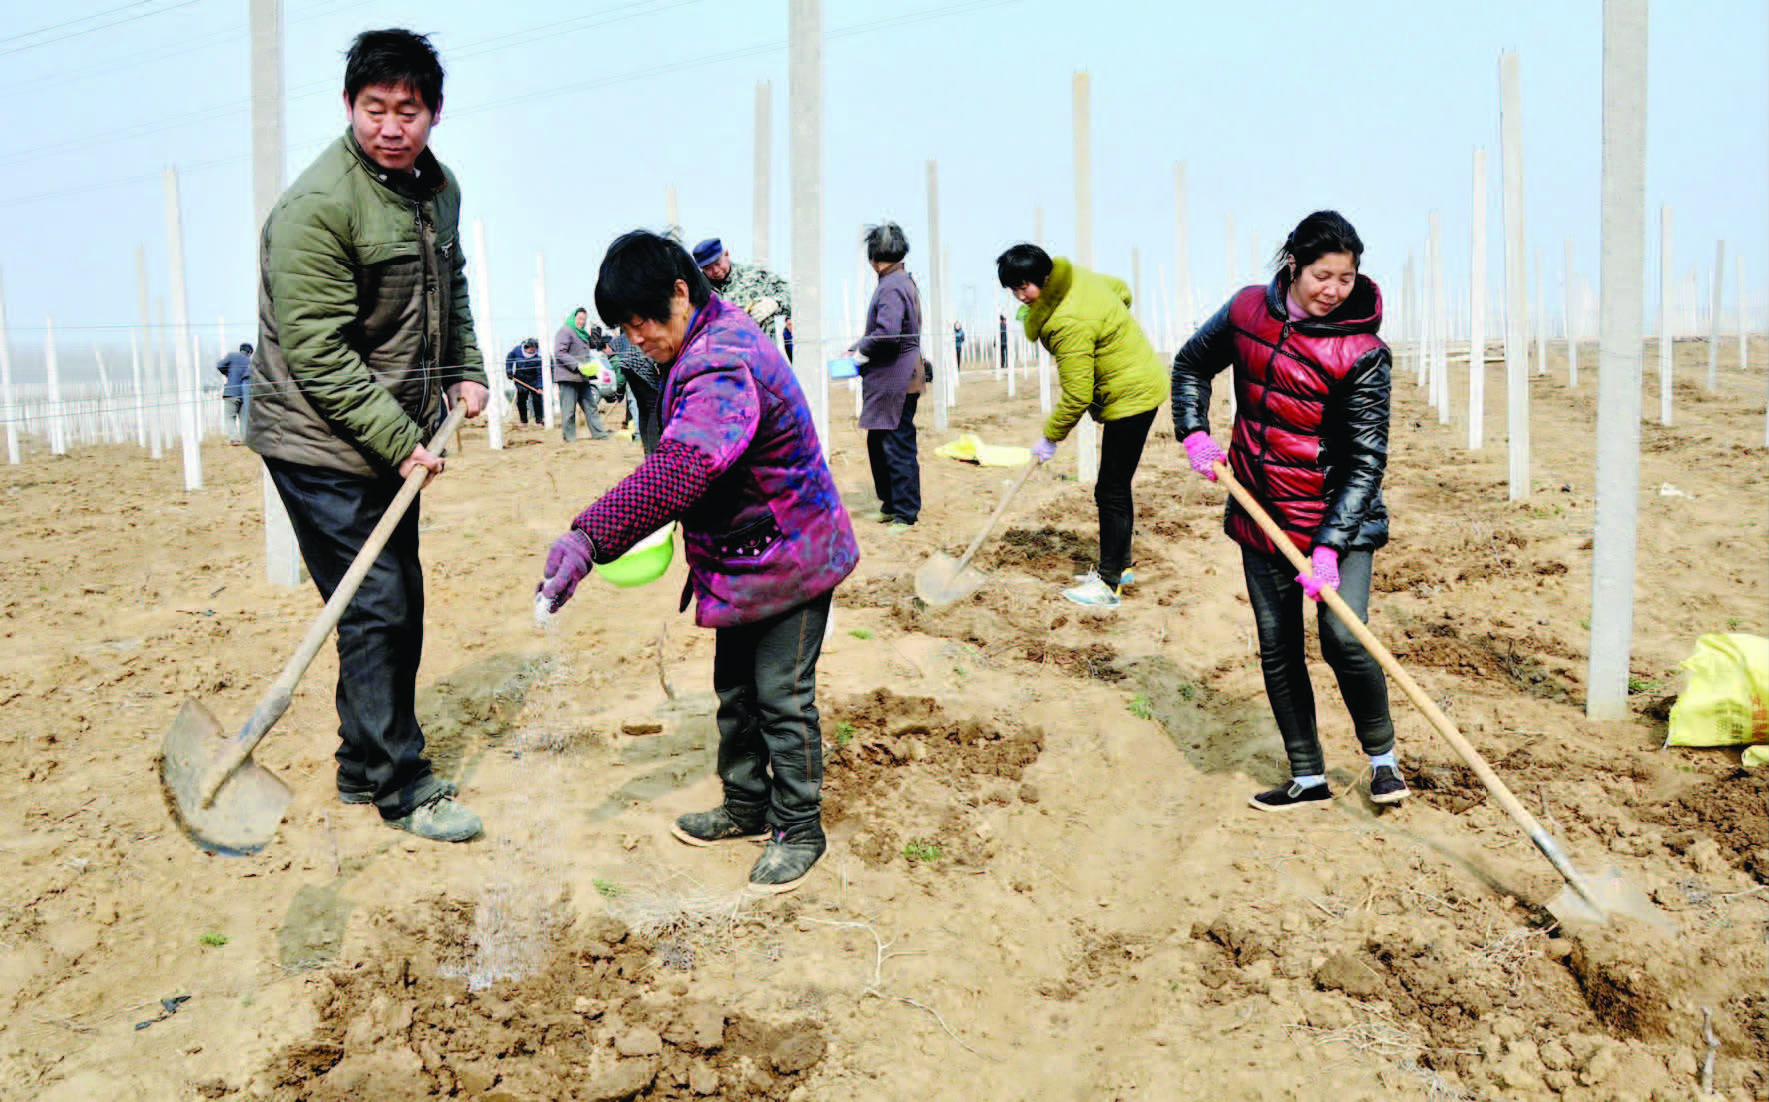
[{"x": 565, "y": 124}]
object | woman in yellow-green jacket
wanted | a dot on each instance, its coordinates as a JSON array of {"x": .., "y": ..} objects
[{"x": 1108, "y": 370}]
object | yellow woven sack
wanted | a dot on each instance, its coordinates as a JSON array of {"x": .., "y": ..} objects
[{"x": 1727, "y": 700}]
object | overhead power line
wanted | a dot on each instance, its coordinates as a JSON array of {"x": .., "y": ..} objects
[{"x": 100, "y": 27}]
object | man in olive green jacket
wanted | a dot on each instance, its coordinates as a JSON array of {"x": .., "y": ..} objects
[
  {"x": 1107, "y": 370},
  {"x": 363, "y": 328}
]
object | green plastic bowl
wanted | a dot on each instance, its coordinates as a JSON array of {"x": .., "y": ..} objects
[{"x": 645, "y": 563}]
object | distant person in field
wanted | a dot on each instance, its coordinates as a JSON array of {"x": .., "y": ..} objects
[
  {"x": 751, "y": 288},
  {"x": 237, "y": 367},
  {"x": 1003, "y": 345},
  {"x": 574, "y": 372},
  {"x": 522, "y": 366},
  {"x": 1108, "y": 371},
  {"x": 957, "y": 345},
  {"x": 891, "y": 381},
  {"x": 644, "y": 383},
  {"x": 1310, "y": 440},
  {"x": 765, "y": 534},
  {"x": 364, "y": 331}
]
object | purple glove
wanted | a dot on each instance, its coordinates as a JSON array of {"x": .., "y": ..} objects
[
  {"x": 1325, "y": 562},
  {"x": 1044, "y": 451},
  {"x": 567, "y": 563},
  {"x": 1203, "y": 454}
]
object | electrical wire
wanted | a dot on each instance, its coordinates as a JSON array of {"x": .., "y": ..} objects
[
  {"x": 102, "y": 27},
  {"x": 71, "y": 22}
]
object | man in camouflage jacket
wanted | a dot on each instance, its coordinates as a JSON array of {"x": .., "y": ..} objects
[{"x": 760, "y": 293}]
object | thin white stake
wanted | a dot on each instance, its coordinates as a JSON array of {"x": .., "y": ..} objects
[
  {"x": 933, "y": 326},
  {"x": 1086, "y": 432},
  {"x": 187, "y": 406},
  {"x": 489, "y": 346},
  {"x": 805, "y": 98},
  {"x": 9, "y": 409},
  {"x": 1477, "y": 311},
  {"x": 1516, "y": 291},
  {"x": 1440, "y": 312},
  {"x": 544, "y": 331},
  {"x": 1667, "y": 295},
  {"x": 764, "y": 136},
  {"x": 1716, "y": 316},
  {"x": 1182, "y": 262},
  {"x": 1743, "y": 322},
  {"x": 135, "y": 378},
  {"x": 58, "y": 429},
  {"x": 1571, "y": 320},
  {"x": 1541, "y": 320},
  {"x": 1615, "y": 535}
]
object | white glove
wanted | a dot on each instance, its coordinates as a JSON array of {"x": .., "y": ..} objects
[
  {"x": 858, "y": 357},
  {"x": 763, "y": 308}
]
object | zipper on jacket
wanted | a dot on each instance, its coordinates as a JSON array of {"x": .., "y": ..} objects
[{"x": 1265, "y": 407}]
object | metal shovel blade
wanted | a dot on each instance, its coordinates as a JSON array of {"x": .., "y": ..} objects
[
  {"x": 247, "y": 808},
  {"x": 941, "y": 580},
  {"x": 1611, "y": 894}
]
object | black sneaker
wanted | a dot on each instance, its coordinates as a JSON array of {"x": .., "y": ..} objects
[
  {"x": 1387, "y": 786},
  {"x": 1292, "y": 795},
  {"x": 788, "y": 858},
  {"x": 705, "y": 828}
]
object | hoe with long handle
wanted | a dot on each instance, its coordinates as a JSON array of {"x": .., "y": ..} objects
[{"x": 1584, "y": 898}]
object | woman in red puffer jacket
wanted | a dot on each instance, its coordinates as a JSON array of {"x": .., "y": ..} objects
[{"x": 1310, "y": 440}]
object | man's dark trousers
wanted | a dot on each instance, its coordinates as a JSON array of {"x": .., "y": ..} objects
[{"x": 380, "y": 636}]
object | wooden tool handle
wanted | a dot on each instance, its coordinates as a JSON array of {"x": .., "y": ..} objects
[
  {"x": 275, "y": 700},
  {"x": 1501, "y": 793},
  {"x": 989, "y": 525}
]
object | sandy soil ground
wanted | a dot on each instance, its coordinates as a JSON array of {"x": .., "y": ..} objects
[{"x": 1044, "y": 882}]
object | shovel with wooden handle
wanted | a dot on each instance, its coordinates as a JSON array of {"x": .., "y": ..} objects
[
  {"x": 219, "y": 796},
  {"x": 943, "y": 579},
  {"x": 1585, "y": 898}
]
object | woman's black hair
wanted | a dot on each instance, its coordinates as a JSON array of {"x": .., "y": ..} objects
[
  {"x": 885, "y": 243},
  {"x": 394, "y": 56},
  {"x": 638, "y": 278},
  {"x": 1024, "y": 263},
  {"x": 1323, "y": 232}
]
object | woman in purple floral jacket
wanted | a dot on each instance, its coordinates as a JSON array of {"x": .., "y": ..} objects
[{"x": 767, "y": 539}]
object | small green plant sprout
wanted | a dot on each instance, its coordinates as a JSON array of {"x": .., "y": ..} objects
[
  {"x": 212, "y": 940},
  {"x": 1140, "y": 707},
  {"x": 922, "y": 851},
  {"x": 1640, "y": 684},
  {"x": 607, "y": 889},
  {"x": 860, "y": 633},
  {"x": 844, "y": 733},
  {"x": 1733, "y": 623}
]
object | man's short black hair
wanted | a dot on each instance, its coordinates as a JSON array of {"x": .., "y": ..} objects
[
  {"x": 1024, "y": 263},
  {"x": 394, "y": 56},
  {"x": 530, "y": 342},
  {"x": 638, "y": 278},
  {"x": 246, "y": 348}
]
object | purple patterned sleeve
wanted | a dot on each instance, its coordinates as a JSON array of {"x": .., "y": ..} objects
[{"x": 665, "y": 485}]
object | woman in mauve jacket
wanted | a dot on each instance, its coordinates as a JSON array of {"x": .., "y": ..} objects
[
  {"x": 1310, "y": 441},
  {"x": 765, "y": 534}
]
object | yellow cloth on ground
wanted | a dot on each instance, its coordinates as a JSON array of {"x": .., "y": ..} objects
[
  {"x": 1727, "y": 700},
  {"x": 969, "y": 448}
]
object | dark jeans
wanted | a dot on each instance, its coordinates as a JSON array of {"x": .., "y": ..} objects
[
  {"x": 527, "y": 398},
  {"x": 584, "y": 396},
  {"x": 765, "y": 675},
  {"x": 1120, "y": 452},
  {"x": 896, "y": 468},
  {"x": 1277, "y": 599},
  {"x": 381, "y": 634}
]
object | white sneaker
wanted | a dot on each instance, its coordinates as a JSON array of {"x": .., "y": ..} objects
[
  {"x": 1124, "y": 579},
  {"x": 1093, "y": 593}
]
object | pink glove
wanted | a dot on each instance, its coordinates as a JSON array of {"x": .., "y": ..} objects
[
  {"x": 1044, "y": 451},
  {"x": 568, "y": 562},
  {"x": 1203, "y": 454},
  {"x": 1325, "y": 562}
]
